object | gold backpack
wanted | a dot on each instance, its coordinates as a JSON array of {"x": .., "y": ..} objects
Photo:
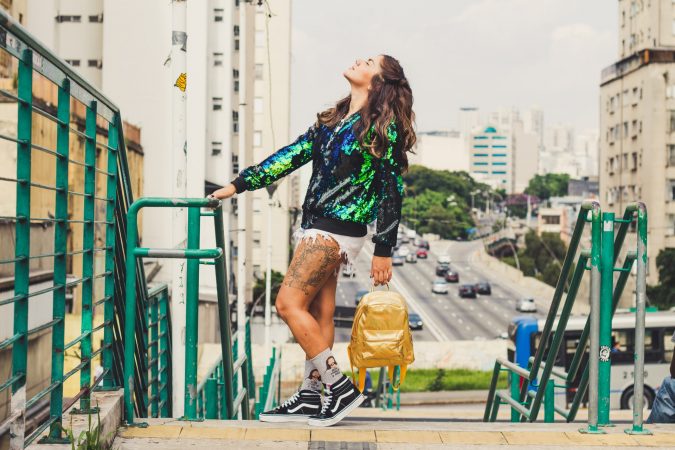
[{"x": 381, "y": 335}]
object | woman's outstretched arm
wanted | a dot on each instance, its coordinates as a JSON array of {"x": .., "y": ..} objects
[{"x": 277, "y": 165}]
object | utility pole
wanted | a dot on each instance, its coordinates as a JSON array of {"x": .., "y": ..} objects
[
  {"x": 241, "y": 204},
  {"x": 178, "y": 189},
  {"x": 268, "y": 275}
]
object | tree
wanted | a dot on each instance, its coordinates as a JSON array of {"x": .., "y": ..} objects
[
  {"x": 663, "y": 294},
  {"x": 259, "y": 287},
  {"x": 548, "y": 185}
]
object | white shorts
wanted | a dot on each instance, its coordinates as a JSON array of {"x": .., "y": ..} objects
[{"x": 349, "y": 246}]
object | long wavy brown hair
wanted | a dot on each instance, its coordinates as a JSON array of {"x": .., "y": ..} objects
[{"x": 390, "y": 97}]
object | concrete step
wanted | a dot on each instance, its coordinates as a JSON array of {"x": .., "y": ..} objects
[{"x": 387, "y": 433}]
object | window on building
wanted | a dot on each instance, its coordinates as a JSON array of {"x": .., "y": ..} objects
[
  {"x": 670, "y": 154},
  {"x": 218, "y": 14},
  {"x": 255, "y": 205},
  {"x": 95, "y": 63},
  {"x": 256, "y": 241},
  {"x": 258, "y": 71},
  {"x": 671, "y": 194},
  {"x": 626, "y": 99},
  {"x": 258, "y": 105},
  {"x": 636, "y": 95},
  {"x": 235, "y": 163},
  {"x": 73, "y": 62},
  {"x": 671, "y": 124},
  {"x": 216, "y": 148},
  {"x": 551, "y": 220},
  {"x": 235, "y": 74},
  {"x": 63, "y": 18},
  {"x": 98, "y": 18},
  {"x": 634, "y": 161},
  {"x": 625, "y": 161},
  {"x": 217, "y": 103},
  {"x": 257, "y": 138},
  {"x": 260, "y": 38},
  {"x": 634, "y": 128},
  {"x": 236, "y": 3},
  {"x": 235, "y": 121},
  {"x": 236, "y": 45},
  {"x": 217, "y": 59},
  {"x": 625, "y": 130},
  {"x": 236, "y": 86},
  {"x": 236, "y": 31}
]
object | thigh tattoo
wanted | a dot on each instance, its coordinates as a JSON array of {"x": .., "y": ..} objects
[{"x": 312, "y": 264}]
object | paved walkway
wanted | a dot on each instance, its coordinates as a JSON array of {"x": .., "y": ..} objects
[{"x": 386, "y": 434}]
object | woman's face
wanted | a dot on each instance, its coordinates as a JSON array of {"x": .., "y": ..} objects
[{"x": 362, "y": 72}]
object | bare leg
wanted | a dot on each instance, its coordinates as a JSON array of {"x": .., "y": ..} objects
[
  {"x": 314, "y": 262},
  {"x": 322, "y": 309}
]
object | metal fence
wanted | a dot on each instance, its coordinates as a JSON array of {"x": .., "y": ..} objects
[
  {"x": 82, "y": 114},
  {"x": 532, "y": 386}
]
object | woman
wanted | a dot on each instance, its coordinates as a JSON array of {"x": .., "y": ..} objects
[{"x": 358, "y": 152}]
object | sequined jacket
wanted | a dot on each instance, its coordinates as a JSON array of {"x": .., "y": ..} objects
[{"x": 349, "y": 187}]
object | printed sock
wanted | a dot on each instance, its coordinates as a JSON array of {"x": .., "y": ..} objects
[
  {"x": 312, "y": 378},
  {"x": 327, "y": 365}
]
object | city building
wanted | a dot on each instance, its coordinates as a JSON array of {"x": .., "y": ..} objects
[
  {"x": 555, "y": 220},
  {"x": 441, "y": 150},
  {"x": 491, "y": 157},
  {"x": 637, "y": 121},
  {"x": 526, "y": 151}
]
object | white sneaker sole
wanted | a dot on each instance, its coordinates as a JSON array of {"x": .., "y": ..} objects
[
  {"x": 281, "y": 418},
  {"x": 338, "y": 417}
]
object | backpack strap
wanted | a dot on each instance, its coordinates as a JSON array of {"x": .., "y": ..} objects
[
  {"x": 362, "y": 378},
  {"x": 401, "y": 378}
]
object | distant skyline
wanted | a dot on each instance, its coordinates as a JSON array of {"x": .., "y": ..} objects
[{"x": 482, "y": 53}]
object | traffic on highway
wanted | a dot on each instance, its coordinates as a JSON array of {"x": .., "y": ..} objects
[{"x": 450, "y": 296}]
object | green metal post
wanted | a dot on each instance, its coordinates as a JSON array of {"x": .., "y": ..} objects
[
  {"x": 22, "y": 249},
  {"x": 130, "y": 313},
  {"x": 515, "y": 392},
  {"x": 211, "y": 394},
  {"x": 154, "y": 362},
  {"x": 224, "y": 315},
  {"x": 606, "y": 290},
  {"x": 192, "y": 317},
  {"x": 549, "y": 402},
  {"x": 164, "y": 348},
  {"x": 223, "y": 388},
  {"x": 60, "y": 249},
  {"x": 491, "y": 399},
  {"x": 88, "y": 256},
  {"x": 249, "y": 362},
  {"x": 109, "y": 306}
]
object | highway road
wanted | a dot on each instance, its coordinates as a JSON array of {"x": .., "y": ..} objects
[{"x": 446, "y": 317}]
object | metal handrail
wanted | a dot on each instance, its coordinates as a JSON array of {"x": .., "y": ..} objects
[{"x": 193, "y": 401}]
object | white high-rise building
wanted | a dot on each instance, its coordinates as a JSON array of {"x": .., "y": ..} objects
[
  {"x": 491, "y": 158},
  {"x": 441, "y": 150}
]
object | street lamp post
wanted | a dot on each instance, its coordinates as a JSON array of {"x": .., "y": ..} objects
[{"x": 268, "y": 275}]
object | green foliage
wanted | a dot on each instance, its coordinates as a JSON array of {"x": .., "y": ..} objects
[
  {"x": 542, "y": 257},
  {"x": 259, "y": 287},
  {"x": 89, "y": 439},
  {"x": 663, "y": 294},
  {"x": 438, "y": 201},
  {"x": 424, "y": 380},
  {"x": 549, "y": 185}
]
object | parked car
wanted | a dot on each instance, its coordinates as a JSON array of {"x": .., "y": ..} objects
[
  {"x": 411, "y": 258},
  {"x": 444, "y": 259},
  {"x": 451, "y": 276},
  {"x": 439, "y": 286},
  {"x": 467, "y": 291},
  {"x": 484, "y": 288},
  {"x": 526, "y": 305},
  {"x": 360, "y": 293},
  {"x": 397, "y": 260},
  {"x": 441, "y": 270},
  {"x": 415, "y": 321},
  {"x": 421, "y": 253},
  {"x": 349, "y": 271}
]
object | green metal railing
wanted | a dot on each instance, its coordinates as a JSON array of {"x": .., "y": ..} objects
[
  {"x": 539, "y": 388},
  {"x": 158, "y": 351},
  {"x": 104, "y": 156},
  {"x": 230, "y": 365},
  {"x": 269, "y": 394}
]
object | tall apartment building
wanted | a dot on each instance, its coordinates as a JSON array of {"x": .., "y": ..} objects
[
  {"x": 637, "y": 120},
  {"x": 441, "y": 150},
  {"x": 491, "y": 157}
]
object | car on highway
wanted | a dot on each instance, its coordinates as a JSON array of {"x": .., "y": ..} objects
[
  {"x": 526, "y": 305},
  {"x": 467, "y": 291},
  {"x": 403, "y": 251},
  {"x": 415, "y": 321},
  {"x": 411, "y": 258},
  {"x": 349, "y": 271},
  {"x": 422, "y": 253},
  {"x": 359, "y": 294},
  {"x": 444, "y": 259},
  {"x": 439, "y": 286},
  {"x": 397, "y": 260},
  {"x": 441, "y": 270},
  {"x": 423, "y": 243},
  {"x": 483, "y": 288},
  {"x": 451, "y": 276}
]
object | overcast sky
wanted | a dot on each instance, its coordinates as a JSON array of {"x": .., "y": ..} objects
[{"x": 484, "y": 53}]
